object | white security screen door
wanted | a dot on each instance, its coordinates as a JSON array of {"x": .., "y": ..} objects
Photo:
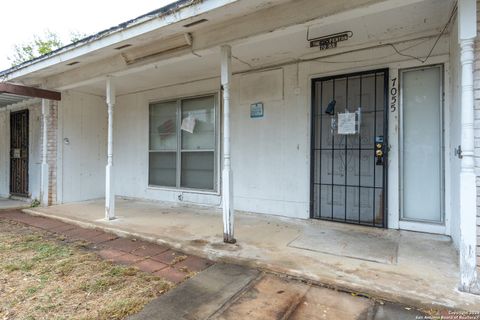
[{"x": 422, "y": 145}]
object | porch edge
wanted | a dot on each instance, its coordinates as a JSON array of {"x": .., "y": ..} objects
[{"x": 339, "y": 285}]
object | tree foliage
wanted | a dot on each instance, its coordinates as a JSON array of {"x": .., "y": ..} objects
[
  {"x": 40, "y": 45},
  {"x": 76, "y": 36}
]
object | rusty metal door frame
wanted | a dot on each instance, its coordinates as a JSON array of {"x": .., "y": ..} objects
[{"x": 19, "y": 153}]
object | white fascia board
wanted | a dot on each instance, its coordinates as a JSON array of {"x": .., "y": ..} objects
[{"x": 139, "y": 28}]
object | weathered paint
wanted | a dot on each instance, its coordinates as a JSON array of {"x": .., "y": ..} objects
[
  {"x": 109, "y": 184},
  {"x": 249, "y": 20},
  {"x": 227, "y": 173},
  {"x": 270, "y": 155},
  {"x": 467, "y": 33},
  {"x": 82, "y": 147},
  {"x": 426, "y": 273},
  {"x": 454, "y": 115}
]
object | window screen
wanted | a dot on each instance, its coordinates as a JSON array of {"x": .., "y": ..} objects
[{"x": 182, "y": 143}]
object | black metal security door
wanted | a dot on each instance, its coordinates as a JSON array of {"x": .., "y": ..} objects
[
  {"x": 348, "y": 182},
  {"x": 19, "y": 153}
]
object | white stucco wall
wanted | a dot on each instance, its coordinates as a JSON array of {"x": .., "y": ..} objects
[
  {"x": 131, "y": 144},
  {"x": 270, "y": 155}
]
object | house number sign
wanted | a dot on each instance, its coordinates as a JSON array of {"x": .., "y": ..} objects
[
  {"x": 330, "y": 41},
  {"x": 393, "y": 95}
]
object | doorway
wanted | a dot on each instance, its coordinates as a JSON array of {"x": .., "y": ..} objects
[
  {"x": 349, "y": 154},
  {"x": 19, "y": 153}
]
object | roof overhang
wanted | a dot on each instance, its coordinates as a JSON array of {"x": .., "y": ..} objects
[
  {"x": 94, "y": 46},
  {"x": 174, "y": 35}
]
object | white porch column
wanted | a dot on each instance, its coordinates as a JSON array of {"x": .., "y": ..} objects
[
  {"x": 44, "y": 167},
  {"x": 227, "y": 174},
  {"x": 467, "y": 32},
  {"x": 109, "y": 192}
]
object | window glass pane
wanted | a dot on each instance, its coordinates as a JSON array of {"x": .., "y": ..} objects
[
  {"x": 203, "y": 135},
  {"x": 163, "y": 126},
  {"x": 162, "y": 169},
  {"x": 197, "y": 170},
  {"x": 422, "y": 152}
]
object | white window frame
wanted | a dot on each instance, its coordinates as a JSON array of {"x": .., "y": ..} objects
[
  {"x": 394, "y": 221},
  {"x": 216, "y": 150}
]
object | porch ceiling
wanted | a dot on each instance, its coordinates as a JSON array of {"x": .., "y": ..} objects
[
  {"x": 422, "y": 21},
  {"x": 8, "y": 99}
]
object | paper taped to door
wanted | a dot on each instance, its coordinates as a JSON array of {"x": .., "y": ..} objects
[{"x": 347, "y": 123}]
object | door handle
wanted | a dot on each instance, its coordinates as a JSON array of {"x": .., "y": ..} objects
[
  {"x": 458, "y": 152},
  {"x": 379, "y": 150}
]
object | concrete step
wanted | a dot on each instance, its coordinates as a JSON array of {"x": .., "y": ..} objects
[
  {"x": 201, "y": 296},
  {"x": 230, "y": 292}
]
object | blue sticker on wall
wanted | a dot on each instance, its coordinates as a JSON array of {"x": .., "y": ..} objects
[{"x": 256, "y": 110}]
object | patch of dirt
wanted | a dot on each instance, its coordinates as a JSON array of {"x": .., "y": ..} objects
[
  {"x": 225, "y": 246},
  {"x": 44, "y": 277},
  {"x": 199, "y": 242}
]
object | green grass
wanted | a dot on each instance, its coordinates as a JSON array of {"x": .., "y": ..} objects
[
  {"x": 24, "y": 265},
  {"x": 47, "y": 278},
  {"x": 32, "y": 290},
  {"x": 117, "y": 309}
]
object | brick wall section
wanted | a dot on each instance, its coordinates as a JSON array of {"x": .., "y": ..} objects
[
  {"x": 52, "y": 152},
  {"x": 52, "y": 126}
]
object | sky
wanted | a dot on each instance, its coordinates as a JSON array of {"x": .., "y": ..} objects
[{"x": 22, "y": 19}]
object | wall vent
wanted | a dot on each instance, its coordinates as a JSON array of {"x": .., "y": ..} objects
[
  {"x": 194, "y": 23},
  {"x": 123, "y": 46}
]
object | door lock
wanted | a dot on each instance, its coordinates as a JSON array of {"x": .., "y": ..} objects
[
  {"x": 458, "y": 152},
  {"x": 379, "y": 150}
]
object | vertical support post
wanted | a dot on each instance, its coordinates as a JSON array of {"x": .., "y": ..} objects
[
  {"x": 44, "y": 167},
  {"x": 467, "y": 33},
  {"x": 227, "y": 174},
  {"x": 109, "y": 191}
]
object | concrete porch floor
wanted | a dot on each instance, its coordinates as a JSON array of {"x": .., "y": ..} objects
[
  {"x": 399, "y": 266},
  {"x": 7, "y": 203}
]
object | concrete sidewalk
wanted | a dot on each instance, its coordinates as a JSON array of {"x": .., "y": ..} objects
[
  {"x": 7, "y": 203},
  {"x": 230, "y": 292},
  {"x": 217, "y": 291},
  {"x": 404, "y": 267}
]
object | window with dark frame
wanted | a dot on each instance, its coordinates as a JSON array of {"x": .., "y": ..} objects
[{"x": 182, "y": 143}]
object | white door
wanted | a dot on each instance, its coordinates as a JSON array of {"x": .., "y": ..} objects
[
  {"x": 84, "y": 139},
  {"x": 422, "y": 165}
]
